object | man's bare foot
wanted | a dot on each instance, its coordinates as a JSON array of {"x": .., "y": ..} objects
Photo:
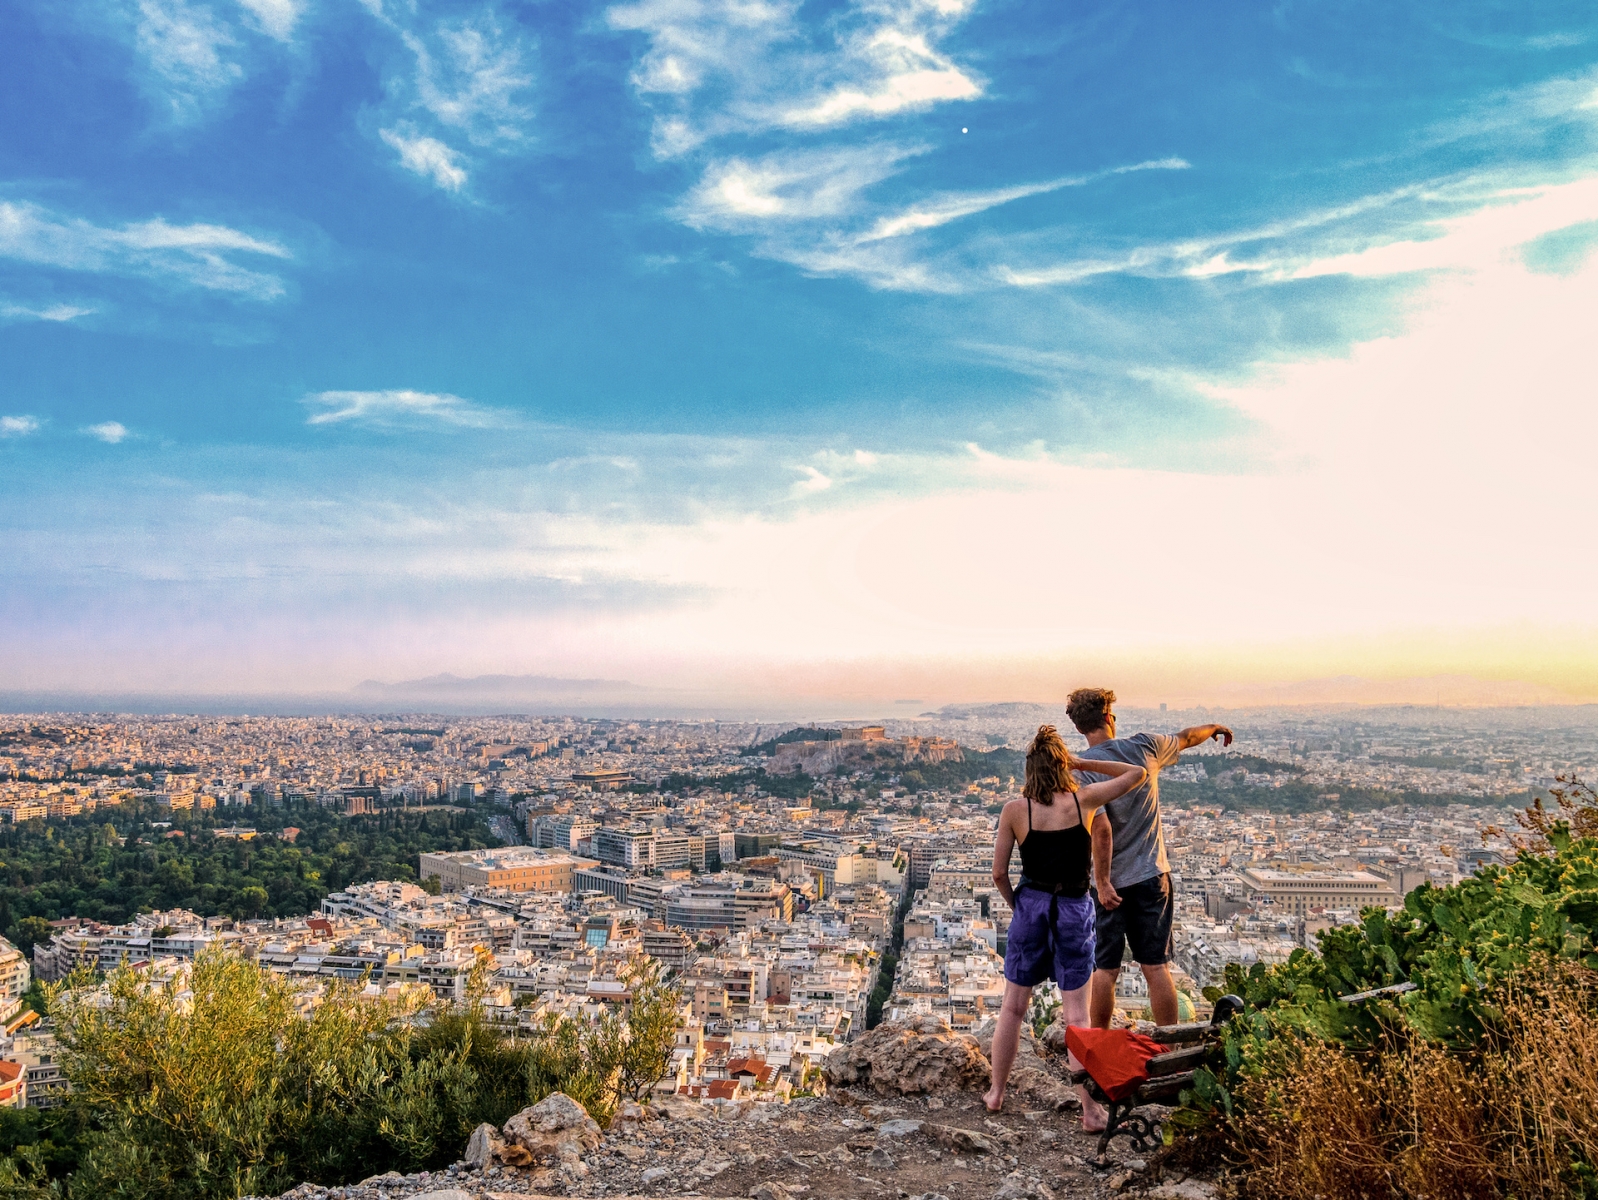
[{"x": 994, "y": 1101}]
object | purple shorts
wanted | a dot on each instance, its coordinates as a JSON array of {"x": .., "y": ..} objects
[{"x": 1051, "y": 937}]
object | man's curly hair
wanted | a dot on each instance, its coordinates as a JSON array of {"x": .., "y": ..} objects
[{"x": 1088, "y": 707}]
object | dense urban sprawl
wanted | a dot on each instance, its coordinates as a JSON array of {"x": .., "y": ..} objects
[{"x": 799, "y": 884}]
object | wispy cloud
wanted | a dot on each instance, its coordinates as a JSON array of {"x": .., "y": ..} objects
[
  {"x": 811, "y": 208},
  {"x": 428, "y": 157},
  {"x": 400, "y": 408},
  {"x": 49, "y": 312},
  {"x": 18, "y": 426},
  {"x": 189, "y": 52},
  {"x": 200, "y": 255},
  {"x": 950, "y": 206},
  {"x": 109, "y": 432},
  {"x": 1458, "y": 224},
  {"x": 715, "y": 67},
  {"x": 276, "y": 18},
  {"x": 806, "y": 185},
  {"x": 464, "y": 83}
]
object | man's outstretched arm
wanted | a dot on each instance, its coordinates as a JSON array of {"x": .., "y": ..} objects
[{"x": 1197, "y": 735}]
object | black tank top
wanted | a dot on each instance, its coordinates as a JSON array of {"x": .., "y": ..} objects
[{"x": 1057, "y": 860}]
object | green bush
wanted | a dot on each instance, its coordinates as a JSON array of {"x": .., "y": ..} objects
[{"x": 226, "y": 1082}]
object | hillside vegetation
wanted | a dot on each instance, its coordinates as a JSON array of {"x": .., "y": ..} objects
[
  {"x": 1479, "y": 1082},
  {"x": 222, "y": 1084}
]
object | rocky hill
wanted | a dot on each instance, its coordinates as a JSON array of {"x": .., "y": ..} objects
[{"x": 903, "y": 1118}]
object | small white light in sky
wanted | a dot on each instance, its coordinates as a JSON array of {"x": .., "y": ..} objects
[{"x": 964, "y": 130}]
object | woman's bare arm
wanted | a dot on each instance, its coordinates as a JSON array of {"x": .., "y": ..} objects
[
  {"x": 1097, "y": 795},
  {"x": 1003, "y": 844},
  {"x": 1107, "y": 766}
]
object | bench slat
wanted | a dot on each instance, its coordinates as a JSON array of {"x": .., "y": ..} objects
[
  {"x": 1177, "y": 1060},
  {"x": 1190, "y": 1032}
]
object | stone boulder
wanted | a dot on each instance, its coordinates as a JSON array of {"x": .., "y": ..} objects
[
  {"x": 921, "y": 1055},
  {"x": 557, "y": 1126}
]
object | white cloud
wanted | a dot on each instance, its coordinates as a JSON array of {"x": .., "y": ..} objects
[
  {"x": 18, "y": 426},
  {"x": 464, "y": 83},
  {"x": 401, "y": 408},
  {"x": 109, "y": 432},
  {"x": 201, "y": 255},
  {"x": 50, "y": 312},
  {"x": 189, "y": 51},
  {"x": 892, "y": 66},
  {"x": 810, "y": 208},
  {"x": 1452, "y": 225},
  {"x": 715, "y": 67},
  {"x": 428, "y": 157},
  {"x": 790, "y": 186},
  {"x": 950, "y": 206},
  {"x": 276, "y": 18}
]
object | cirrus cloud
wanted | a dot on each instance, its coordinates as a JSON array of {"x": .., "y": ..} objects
[{"x": 401, "y": 408}]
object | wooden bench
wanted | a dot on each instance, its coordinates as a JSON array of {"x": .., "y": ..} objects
[{"x": 1169, "y": 1073}]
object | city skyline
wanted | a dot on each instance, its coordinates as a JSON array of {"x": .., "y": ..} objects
[{"x": 804, "y": 358}]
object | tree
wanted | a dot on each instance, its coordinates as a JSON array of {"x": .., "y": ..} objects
[{"x": 29, "y": 931}]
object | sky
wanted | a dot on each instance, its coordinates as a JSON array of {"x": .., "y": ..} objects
[{"x": 889, "y": 349}]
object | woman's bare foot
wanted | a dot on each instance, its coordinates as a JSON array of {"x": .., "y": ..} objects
[
  {"x": 1094, "y": 1116},
  {"x": 993, "y": 1100}
]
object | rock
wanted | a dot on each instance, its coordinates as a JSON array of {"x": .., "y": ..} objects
[
  {"x": 557, "y": 1125},
  {"x": 679, "y": 1108},
  {"x": 966, "y": 1141},
  {"x": 769, "y": 1190},
  {"x": 898, "y": 1129},
  {"x": 922, "y": 1055},
  {"x": 880, "y": 1160},
  {"x": 655, "y": 1174},
  {"x": 709, "y": 1170},
  {"x": 631, "y": 1110},
  {"x": 445, "y": 1194},
  {"x": 1187, "y": 1189},
  {"x": 1017, "y": 1186},
  {"x": 480, "y": 1146}
]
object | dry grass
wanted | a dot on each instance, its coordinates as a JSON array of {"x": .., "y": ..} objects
[{"x": 1414, "y": 1122}]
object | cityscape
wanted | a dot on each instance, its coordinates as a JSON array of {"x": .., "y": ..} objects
[{"x": 798, "y": 884}]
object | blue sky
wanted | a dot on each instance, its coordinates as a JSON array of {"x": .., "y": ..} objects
[{"x": 762, "y": 344}]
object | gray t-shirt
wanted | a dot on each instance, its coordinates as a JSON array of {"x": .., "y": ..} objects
[{"x": 1135, "y": 817}]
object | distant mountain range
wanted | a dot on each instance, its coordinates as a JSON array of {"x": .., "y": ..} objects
[{"x": 498, "y": 686}]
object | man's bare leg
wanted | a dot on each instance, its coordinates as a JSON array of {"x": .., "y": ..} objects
[
  {"x": 1006, "y": 1041},
  {"x": 1075, "y": 1007},
  {"x": 1103, "y": 1001},
  {"x": 1162, "y": 992}
]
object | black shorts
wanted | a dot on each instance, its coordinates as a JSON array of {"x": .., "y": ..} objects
[{"x": 1143, "y": 918}]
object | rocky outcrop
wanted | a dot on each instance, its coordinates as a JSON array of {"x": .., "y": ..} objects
[
  {"x": 910, "y": 1058},
  {"x": 856, "y": 1143}
]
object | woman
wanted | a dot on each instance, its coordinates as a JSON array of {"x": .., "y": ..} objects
[{"x": 1051, "y": 926}]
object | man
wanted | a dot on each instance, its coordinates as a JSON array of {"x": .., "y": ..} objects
[{"x": 1132, "y": 876}]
